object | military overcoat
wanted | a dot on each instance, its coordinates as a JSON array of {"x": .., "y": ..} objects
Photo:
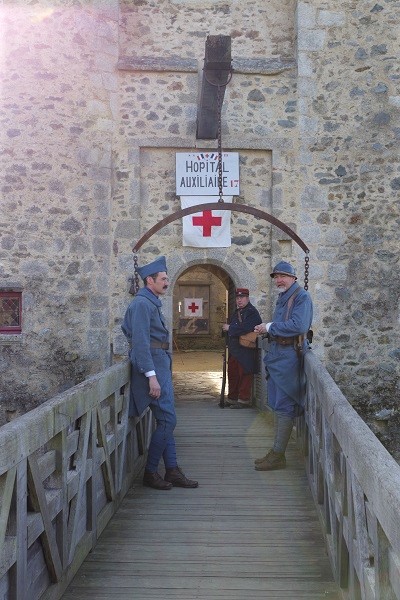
[
  {"x": 282, "y": 362},
  {"x": 144, "y": 326}
]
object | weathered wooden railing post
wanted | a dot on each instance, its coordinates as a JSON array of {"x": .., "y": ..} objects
[
  {"x": 356, "y": 487},
  {"x": 64, "y": 469}
]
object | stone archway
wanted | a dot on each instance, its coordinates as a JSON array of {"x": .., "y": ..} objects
[{"x": 231, "y": 273}]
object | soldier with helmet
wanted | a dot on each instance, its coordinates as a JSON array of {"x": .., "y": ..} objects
[{"x": 287, "y": 337}]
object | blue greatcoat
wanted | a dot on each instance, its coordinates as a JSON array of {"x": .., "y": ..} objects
[
  {"x": 144, "y": 323},
  {"x": 283, "y": 367},
  {"x": 250, "y": 317}
]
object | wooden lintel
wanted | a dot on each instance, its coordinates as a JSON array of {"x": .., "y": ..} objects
[
  {"x": 152, "y": 64},
  {"x": 216, "y": 73}
]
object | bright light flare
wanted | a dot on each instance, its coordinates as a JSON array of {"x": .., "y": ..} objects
[{"x": 41, "y": 15}]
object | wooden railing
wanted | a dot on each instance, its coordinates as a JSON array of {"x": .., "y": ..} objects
[
  {"x": 64, "y": 469},
  {"x": 356, "y": 487}
]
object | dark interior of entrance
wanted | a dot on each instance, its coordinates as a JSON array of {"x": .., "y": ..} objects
[{"x": 202, "y": 300}]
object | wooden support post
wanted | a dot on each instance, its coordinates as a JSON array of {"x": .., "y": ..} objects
[{"x": 217, "y": 70}]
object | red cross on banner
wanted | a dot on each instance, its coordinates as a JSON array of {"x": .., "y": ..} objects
[
  {"x": 193, "y": 307},
  {"x": 207, "y": 221},
  {"x": 209, "y": 228}
]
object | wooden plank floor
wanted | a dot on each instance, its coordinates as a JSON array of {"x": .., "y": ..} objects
[{"x": 242, "y": 535}]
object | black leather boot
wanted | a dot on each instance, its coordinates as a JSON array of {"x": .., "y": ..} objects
[{"x": 178, "y": 479}]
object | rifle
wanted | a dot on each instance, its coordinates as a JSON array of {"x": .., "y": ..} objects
[{"x": 224, "y": 367}]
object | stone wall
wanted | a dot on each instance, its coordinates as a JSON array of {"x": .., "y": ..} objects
[
  {"x": 99, "y": 96},
  {"x": 58, "y": 113},
  {"x": 349, "y": 128}
]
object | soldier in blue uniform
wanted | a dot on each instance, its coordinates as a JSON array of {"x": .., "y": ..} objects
[
  {"x": 151, "y": 375},
  {"x": 242, "y": 361},
  {"x": 287, "y": 336}
]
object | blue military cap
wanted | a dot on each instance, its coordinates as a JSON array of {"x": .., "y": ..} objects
[
  {"x": 156, "y": 266},
  {"x": 284, "y": 268}
]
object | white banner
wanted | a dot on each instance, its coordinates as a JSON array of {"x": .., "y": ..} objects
[
  {"x": 209, "y": 228},
  {"x": 197, "y": 173},
  {"x": 193, "y": 307}
]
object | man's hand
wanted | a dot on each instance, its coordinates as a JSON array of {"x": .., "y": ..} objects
[
  {"x": 262, "y": 327},
  {"x": 225, "y": 327},
  {"x": 155, "y": 389}
]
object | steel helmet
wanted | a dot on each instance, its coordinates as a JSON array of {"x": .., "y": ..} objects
[{"x": 284, "y": 268}]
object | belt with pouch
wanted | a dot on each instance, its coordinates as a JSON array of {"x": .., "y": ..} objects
[
  {"x": 160, "y": 345},
  {"x": 283, "y": 341}
]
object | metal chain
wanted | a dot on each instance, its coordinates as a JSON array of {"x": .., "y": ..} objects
[
  {"x": 135, "y": 278},
  {"x": 306, "y": 269},
  {"x": 219, "y": 133}
]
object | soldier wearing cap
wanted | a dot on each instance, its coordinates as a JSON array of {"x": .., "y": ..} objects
[
  {"x": 285, "y": 377},
  {"x": 151, "y": 375},
  {"x": 242, "y": 361}
]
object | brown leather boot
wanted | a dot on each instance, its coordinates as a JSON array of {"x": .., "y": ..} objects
[
  {"x": 261, "y": 460},
  {"x": 155, "y": 481},
  {"x": 178, "y": 479},
  {"x": 272, "y": 462}
]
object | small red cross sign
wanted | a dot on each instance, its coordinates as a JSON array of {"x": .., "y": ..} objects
[
  {"x": 207, "y": 221},
  {"x": 193, "y": 307}
]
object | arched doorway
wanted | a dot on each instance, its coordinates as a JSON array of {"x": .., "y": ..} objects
[
  {"x": 203, "y": 297},
  {"x": 200, "y": 307}
]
